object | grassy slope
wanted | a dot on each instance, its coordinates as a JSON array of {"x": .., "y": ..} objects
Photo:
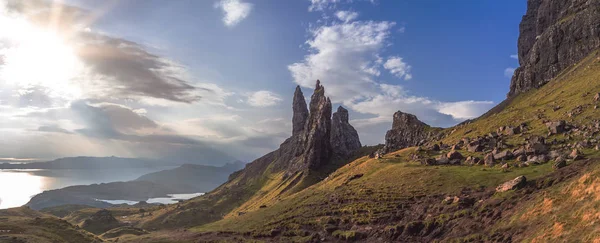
[
  {"x": 389, "y": 182},
  {"x": 26, "y": 225}
]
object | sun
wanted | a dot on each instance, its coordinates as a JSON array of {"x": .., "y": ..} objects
[{"x": 38, "y": 58}]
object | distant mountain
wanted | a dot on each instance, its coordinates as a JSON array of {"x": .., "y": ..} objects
[
  {"x": 193, "y": 178},
  {"x": 184, "y": 179},
  {"x": 84, "y": 162}
]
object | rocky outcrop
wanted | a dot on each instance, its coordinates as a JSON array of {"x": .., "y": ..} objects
[
  {"x": 554, "y": 34},
  {"x": 300, "y": 112},
  {"x": 317, "y": 131},
  {"x": 100, "y": 222},
  {"x": 407, "y": 131},
  {"x": 344, "y": 138}
]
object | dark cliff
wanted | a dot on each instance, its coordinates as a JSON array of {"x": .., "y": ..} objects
[
  {"x": 344, "y": 138},
  {"x": 407, "y": 131},
  {"x": 554, "y": 35}
]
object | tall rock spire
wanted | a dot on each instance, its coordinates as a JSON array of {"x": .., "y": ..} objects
[
  {"x": 344, "y": 138},
  {"x": 317, "y": 130},
  {"x": 300, "y": 112}
]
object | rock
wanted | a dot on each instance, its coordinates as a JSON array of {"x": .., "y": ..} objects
[
  {"x": 505, "y": 166},
  {"x": 512, "y": 184},
  {"x": 344, "y": 138},
  {"x": 455, "y": 147},
  {"x": 430, "y": 161},
  {"x": 442, "y": 160},
  {"x": 554, "y": 35},
  {"x": 407, "y": 131},
  {"x": 575, "y": 154},
  {"x": 554, "y": 154},
  {"x": 454, "y": 155},
  {"x": 559, "y": 163},
  {"x": 597, "y": 97},
  {"x": 536, "y": 145},
  {"x": 512, "y": 130},
  {"x": 300, "y": 112},
  {"x": 489, "y": 160},
  {"x": 504, "y": 155},
  {"x": 474, "y": 147},
  {"x": 471, "y": 160},
  {"x": 556, "y": 127},
  {"x": 435, "y": 147},
  {"x": 522, "y": 158}
]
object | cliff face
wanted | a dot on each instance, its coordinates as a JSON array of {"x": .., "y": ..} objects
[
  {"x": 407, "y": 131},
  {"x": 344, "y": 138},
  {"x": 554, "y": 34}
]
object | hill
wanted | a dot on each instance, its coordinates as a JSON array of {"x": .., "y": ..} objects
[{"x": 184, "y": 179}]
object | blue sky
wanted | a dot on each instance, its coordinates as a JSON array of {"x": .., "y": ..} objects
[{"x": 445, "y": 61}]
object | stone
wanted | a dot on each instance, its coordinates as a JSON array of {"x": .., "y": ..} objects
[
  {"x": 344, "y": 138},
  {"x": 454, "y": 155},
  {"x": 559, "y": 163},
  {"x": 442, "y": 160},
  {"x": 455, "y": 147},
  {"x": 512, "y": 130},
  {"x": 489, "y": 160},
  {"x": 575, "y": 154},
  {"x": 504, "y": 155},
  {"x": 554, "y": 154},
  {"x": 472, "y": 160},
  {"x": 430, "y": 161},
  {"x": 556, "y": 127},
  {"x": 474, "y": 147},
  {"x": 435, "y": 147},
  {"x": 536, "y": 145},
  {"x": 597, "y": 97},
  {"x": 554, "y": 35},
  {"x": 522, "y": 158},
  {"x": 513, "y": 184},
  {"x": 407, "y": 131},
  {"x": 505, "y": 166}
]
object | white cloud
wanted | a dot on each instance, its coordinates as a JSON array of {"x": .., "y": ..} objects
[
  {"x": 235, "y": 11},
  {"x": 514, "y": 56},
  {"x": 508, "y": 72},
  {"x": 463, "y": 110},
  {"x": 398, "y": 68},
  {"x": 320, "y": 5},
  {"x": 346, "y": 16},
  {"x": 346, "y": 57},
  {"x": 263, "y": 98}
]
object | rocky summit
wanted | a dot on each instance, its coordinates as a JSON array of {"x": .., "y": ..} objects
[
  {"x": 554, "y": 35},
  {"x": 407, "y": 131}
]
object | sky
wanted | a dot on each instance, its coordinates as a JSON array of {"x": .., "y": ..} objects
[{"x": 212, "y": 80}]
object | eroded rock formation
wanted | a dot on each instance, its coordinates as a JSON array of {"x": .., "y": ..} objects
[
  {"x": 554, "y": 35},
  {"x": 407, "y": 131},
  {"x": 344, "y": 138}
]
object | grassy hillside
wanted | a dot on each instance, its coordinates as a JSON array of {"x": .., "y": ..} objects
[
  {"x": 26, "y": 225},
  {"x": 397, "y": 197}
]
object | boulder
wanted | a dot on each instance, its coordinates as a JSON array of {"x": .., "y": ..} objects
[
  {"x": 489, "y": 160},
  {"x": 504, "y": 155},
  {"x": 442, "y": 160},
  {"x": 559, "y": 163},
  {"x": 575, "y": 154},
  {"x": 454, "y": 155},
  {"x": 597, "y": 97},
  {"x": 474, "y": 147},
  {"x": 556, "y": 127},
  {"x": 512, "y": 184},
  {"x": 522, "y": 158},
  {"x": 512, "y": 130}
]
